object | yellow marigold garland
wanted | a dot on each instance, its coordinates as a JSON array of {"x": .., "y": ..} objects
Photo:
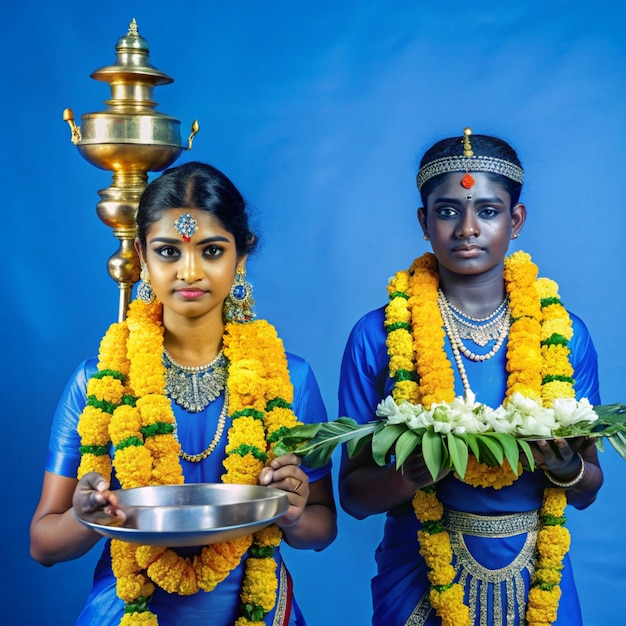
[
  {"x": 538, "y": 366},
  {"x": 127, "y": 410}
]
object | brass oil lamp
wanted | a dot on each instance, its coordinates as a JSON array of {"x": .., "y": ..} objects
[{"x": 130, "y": 138}]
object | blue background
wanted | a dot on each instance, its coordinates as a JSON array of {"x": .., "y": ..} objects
[{"x": 318, "y": 112}]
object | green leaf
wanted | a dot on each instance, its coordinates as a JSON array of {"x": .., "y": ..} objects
[
  {"x": 511, "y": 449},
  {"x": 618, "y": 441},
  {"x": 383, "y": 440},
  {"x": 433, "y": 451},
  {"x": 315, "y": 443},
  {"x": 457, "y": 448},
  {"x": 471, "y": 441},
  {"x": 406, "y": 443},
  {"x": 297, "y": 436},
  {"x": 354, "y": 447},
  {"x": 525, "y": 446},
  {"x": 491, "y": 449}
]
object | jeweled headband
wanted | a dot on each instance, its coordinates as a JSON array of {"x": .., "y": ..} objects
[{"x": 469, "y": 163}]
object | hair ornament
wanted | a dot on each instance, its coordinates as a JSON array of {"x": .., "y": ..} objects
[
  {"x": 469, "y": 162},
  {"x": 467, "y": 146},
  {"x": 186, "y": 226},
  {"x": 468, "y": 180}
]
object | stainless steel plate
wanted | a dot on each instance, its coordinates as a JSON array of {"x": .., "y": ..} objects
[
  {"x": 538, "y": 438},
  {"x": 193, "y": 514}
]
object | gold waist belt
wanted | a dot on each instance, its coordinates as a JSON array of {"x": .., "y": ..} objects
[{"x": 490, "y": 525}]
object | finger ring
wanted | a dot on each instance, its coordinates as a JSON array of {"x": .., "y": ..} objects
[{"x": 298, "y": 487}]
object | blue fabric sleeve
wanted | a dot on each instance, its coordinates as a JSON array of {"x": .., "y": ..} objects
[
  {"x": 584, "y": 359},
  {"x": 364, "y": 377},
  {"x": 63, "y": 454}
]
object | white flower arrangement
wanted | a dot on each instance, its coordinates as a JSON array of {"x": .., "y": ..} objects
[
  {"x": 522, "y": 417},
  {"x": 448, "y": 432}
]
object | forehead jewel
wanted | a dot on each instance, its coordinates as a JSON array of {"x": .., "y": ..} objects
[{"x": 186, "y": 226}]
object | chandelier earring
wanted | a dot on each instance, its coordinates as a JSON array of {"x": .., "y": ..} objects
[
  {"x": 144, "y": 288},
  {"x": 238, "y": 304}
]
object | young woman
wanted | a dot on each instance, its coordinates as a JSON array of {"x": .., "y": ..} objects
[
  {"x": 188, "y": 388},
  {"x": 467, "y": 318}
]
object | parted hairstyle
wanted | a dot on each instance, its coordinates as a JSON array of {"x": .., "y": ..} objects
[{"x": 196, "y": 185}]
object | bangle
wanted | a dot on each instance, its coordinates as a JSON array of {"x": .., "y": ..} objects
[{"x": 574, "y": 481}]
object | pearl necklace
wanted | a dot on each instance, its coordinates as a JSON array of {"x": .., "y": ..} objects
[{"x": 501, "y": 321}]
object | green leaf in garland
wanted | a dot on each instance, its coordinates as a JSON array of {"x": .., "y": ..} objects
[
  {"x": 434, "y": 452},
  {"x": 457, "y": 448},
  {"x": 383, "y": 440},
  {"x": 406, "y": 443}
]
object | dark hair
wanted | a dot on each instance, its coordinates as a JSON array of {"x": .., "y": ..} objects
[
  {"x": 482, "y": 145},
  {"x": 196, "y": 185}
]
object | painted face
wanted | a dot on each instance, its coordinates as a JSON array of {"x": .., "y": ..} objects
[
  {"x": 470, "y": 229},
  {"x": 191, "y": 278}
]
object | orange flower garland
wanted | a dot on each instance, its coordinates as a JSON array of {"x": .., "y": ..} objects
[
  {"x": 127, "y": 408},
  {"x": 538, "y": 367}
]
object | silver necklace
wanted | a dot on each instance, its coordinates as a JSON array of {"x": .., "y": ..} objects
[
  {"x": 194, "y": 388},
  {"x": 480, "y": 330},
  {"x": 484, "y": 333}
]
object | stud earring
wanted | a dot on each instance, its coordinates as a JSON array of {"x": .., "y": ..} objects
[
  {"x": 515, "y": 236},
  {"x": 144, "y": 288},
  {"x": 238, "y": 304},
  {"x": 426, "y": 238}
]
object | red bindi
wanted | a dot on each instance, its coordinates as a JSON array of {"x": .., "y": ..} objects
[{"x": 468, "y": 181}]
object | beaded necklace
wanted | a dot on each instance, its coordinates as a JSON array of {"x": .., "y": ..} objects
[
  {"x": 501, "y": 323},
  {"x": 128, "y": 409},
  {"x": 539, "y": 368}
]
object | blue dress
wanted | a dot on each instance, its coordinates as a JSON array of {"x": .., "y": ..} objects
[
  {"x": 219, "y": 607},
  {"x": 496, "y": 569}
]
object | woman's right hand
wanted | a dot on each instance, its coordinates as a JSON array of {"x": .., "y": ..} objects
[
  {"x": 93, "y": 497},
  {"x": 414, "y": 470}
]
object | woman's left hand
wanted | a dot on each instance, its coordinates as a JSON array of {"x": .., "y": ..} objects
[
  {"x": 284, "y": 473},
  {"x": 557, "y": 455}
]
